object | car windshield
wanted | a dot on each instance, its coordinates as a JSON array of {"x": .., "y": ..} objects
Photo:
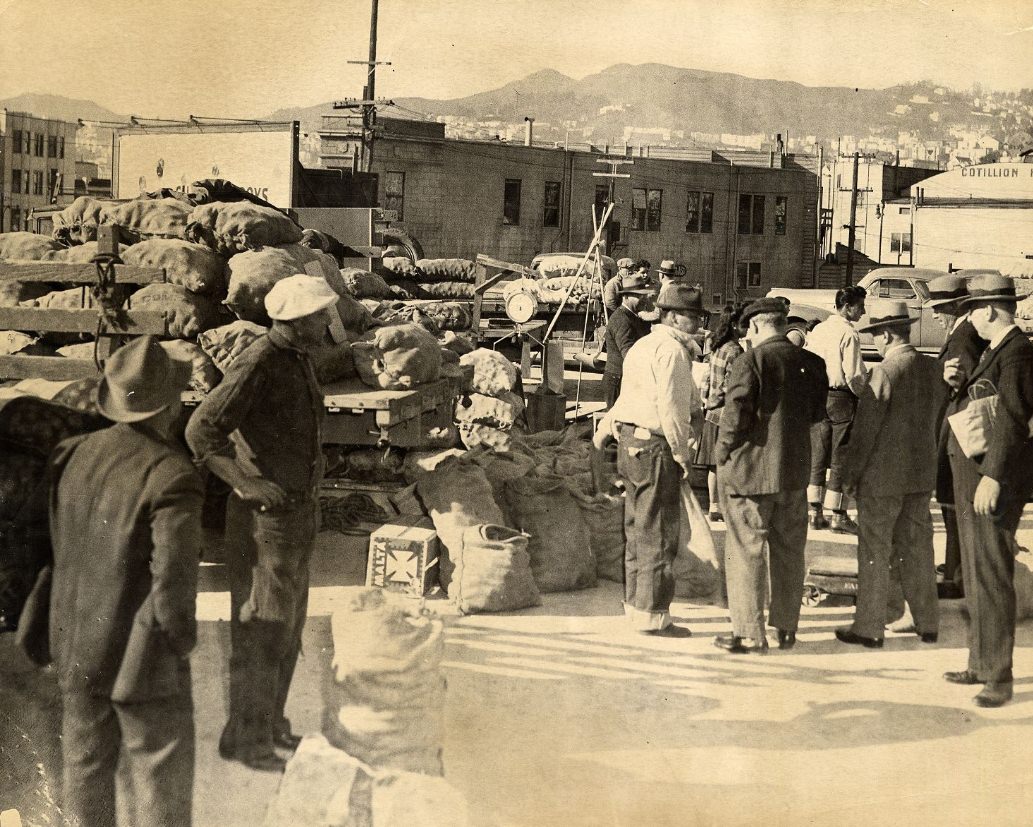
[{"x": 922, "y": 290}]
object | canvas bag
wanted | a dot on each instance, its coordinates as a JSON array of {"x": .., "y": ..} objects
[{"x": 974, "y": 424}]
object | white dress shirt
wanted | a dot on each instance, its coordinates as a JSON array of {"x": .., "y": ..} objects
[{"x": 838, "y": 344}]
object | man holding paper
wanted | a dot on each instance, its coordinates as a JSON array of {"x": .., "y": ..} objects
[{"x": 991, "y": 487}]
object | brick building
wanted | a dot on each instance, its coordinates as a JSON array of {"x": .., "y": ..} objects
[
  {"x": 37, "y": 165},
  {"x": 740, "y": 222}
]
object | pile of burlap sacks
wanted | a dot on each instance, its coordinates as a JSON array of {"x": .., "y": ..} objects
[{"x": 378, "y": 761}]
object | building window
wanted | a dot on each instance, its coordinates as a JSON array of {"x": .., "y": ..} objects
[
  {"x": 394, "y": 193},
  {"x": 551, "y": 211},
  {"x": 16, "y": 180},
  {"x": 61, "y": 147},
  {"x": 52, "y": 185},
  {"x": 905, "y": 211},
  {"x": 16, "y": 219},
  {"x": 699, "y": 212},
  {"x": 900, "y": 243},
  {"x": 751, "y": 214},
  {"x": 645, "y": 209},
  {"x": 16, "y": 142},
  {"x": 52, "y": 146},
  {"x": 747, "y": 274},
  {"x": 40, "y": 144},
  {"x": 37, "y": 183},
  {"x": 602, "y": 198},
  {"x": 26, "y": 143},
  {"x": 781, "y": 209},
  {"x": 511, "y": 202}
]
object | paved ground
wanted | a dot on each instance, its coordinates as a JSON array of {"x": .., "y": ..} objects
[{"x": 559, "y": 716}]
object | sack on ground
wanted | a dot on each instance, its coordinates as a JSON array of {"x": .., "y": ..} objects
[
  {"x": 474, "y": 435},
  {"x": 493, "y": 373},
  {"x": 192, "y": 266},
  {"x": 364, "y": 285},
  {"x": 560, "y": 545},
  {"x": 699, "y": 565},
  {"x": 397, "y": 357},
  {"x": 456, "y": 495},
  {"x": 235, "y": 227},
  {"x": 604, "y": 516},
  {"x": 497, "y": 412},
  {"x": 26, "y": 246},
  {"x": 493, "y": 571},
  {"x": 226, "y": 342},
  {"x": 447, "y": 269},
  {"x": 186, "y": 314}
]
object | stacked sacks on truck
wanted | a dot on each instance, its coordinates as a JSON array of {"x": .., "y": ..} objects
[
  {"x": 492, "y": 409},
  {"x": 238, "y": 226},
  {"x": 24, "y": 247},
  {"x": 365, "y": 285},
  {"x": 140, "y": 218},
  {"x": 191, "y": 266},
  {"x": 383, "y": 699},
  {"x": 435, "y": 270}
]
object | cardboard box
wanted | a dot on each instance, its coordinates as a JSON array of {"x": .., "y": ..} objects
[{"x": 403, "y": 556}]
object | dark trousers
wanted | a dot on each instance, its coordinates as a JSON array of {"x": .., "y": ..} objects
[
  {"x": 777, "y": 522},
  {"x": 155, "y": 740},
  {"x": 895, "y": 532},
  {"x": 988, "y": 569},
  {"x": 952, "y": 557},
  {"x": 267, "y": 562},
  {"x": 652, "y": 520},
  {"x": 611, "y": 388},
  {"x": 827, "y": 438}
]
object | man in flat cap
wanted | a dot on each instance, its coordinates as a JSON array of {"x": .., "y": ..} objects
[
  {"x": 657, "y": 422},
  {"x": 946, "y": 297},
  {"x": 992, "y": 487},
  {"x": 611, "y": 290},
  {"x": 624, "y": 328},
  {"x": 775, "y": 392},
  {"x": 890, "y": 466},
  {"x": 125, "y": 525},
  {"x": 259, "y": 431}
]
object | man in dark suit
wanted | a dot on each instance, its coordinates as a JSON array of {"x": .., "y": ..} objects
[
  {"x": 946, "y": 295},
  {"x": 624, "y": 328},
  {"x": 990, "y": 490},
  {"x": 890, "y": 466},
  {"x": 776, "y": 391},
  {"x": 125, "y": 522}
]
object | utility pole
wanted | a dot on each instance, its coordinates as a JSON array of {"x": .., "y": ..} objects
[
  {"x": 612, "y": 175},
  {"x": 368, "y": 104},
  {"x": 853, "y": 225}
]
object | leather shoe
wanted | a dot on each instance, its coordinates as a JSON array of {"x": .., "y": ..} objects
[
  {"x": 966, "y": 677},
  {"x": 928, "y": 637},
  {"x": 740, "y": 646},
  {"x": 994, "y": 694},
  {"x": 668, "y": 631},
  {"x": 786, "y": 639},
  {"x": 263, "y": 762},
  {"x": 849, "y": 636},
  {"x": 842, "y": 524},
  {"x": 818, "y": 521}
]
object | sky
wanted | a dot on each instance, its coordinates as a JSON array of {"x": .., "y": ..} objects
[{"x": 241, "y": 58}]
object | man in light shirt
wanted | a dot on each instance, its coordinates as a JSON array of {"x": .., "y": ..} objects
[
  {"x": 657, "y": 422},
  {"x": 836, "y": 341}
]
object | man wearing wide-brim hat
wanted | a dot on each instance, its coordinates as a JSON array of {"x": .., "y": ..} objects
[
  {"x": 991, "y": 489},
  {"x": 611, "y": 290},
  {"x": 890, "y": 468},
  {"x": 670, "y": 271},
  {"x": 657, "y": 421},
  {"x": 259, "y": 431},
  {"x": 961, "y": 343},
  {"x": 775, "y": 392},
  {"x": 624, "y": 328},
  {"x": 125, "y": 526}
]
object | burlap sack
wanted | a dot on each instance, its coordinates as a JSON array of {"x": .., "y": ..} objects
[
  {"x": 364, "y": 285},
  {"x": 493, "y": 571},
  {"x": 397, "y": 357},
  {"x": 204, "y": 376},
  {"x": 560, "y": 545},
  {"x": 604, "y": 516},
  {"x": 13, "y": 293},
  {"x": 456, "y": 495},
  {"x": 238, "y": 226},
  {"x": 12, "y": 341},
  {"x": 474, "y": 435},
  {"x": 493, "y": 373},
  {"x": 79, "y": 254},
  {"x": 699, "y": 566},
  {"x": 448, "y": 290},
  {"x": 78, "y": 221},
  {"x": 186, "y": 314},
  {"x": 192, "y": 266},
  {"x": 496, "y": 412},
  {"x": 224, "y": 343},
  {"x": 74, "y": 298},
  {"x": 434, "y": 316},
  {"x": 384, "y": 700},
  {"x": 400, "y": 266},
  {"x": 500, "y": 468},
  {"x": 26, "y": 246},
  {"x": 144, "y": 218},
  {"x": 333, "y": 362},
  {"x": 447, "y": 269}
]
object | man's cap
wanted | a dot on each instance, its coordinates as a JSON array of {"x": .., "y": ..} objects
[
  {"x": 298, "y": 296},
  {"x": 990, "y": 285},
  {"x": 680, "y": 297},
  {"x": 768, "y": 304},
  {"x": 625, "y": 263},
  {"x": 140, "y": 380},
  {"x": 947, "y": 290},
  {"x": 635, "y": 284},
  {"x": 669, "y": 268},
  {"x": 883, "y": 313}
]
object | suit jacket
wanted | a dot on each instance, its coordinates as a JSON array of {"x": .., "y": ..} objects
[
  {"x": 964, "y": 344},
  {"x": 1009, "y": 457},
  {"x": 622, "y": 331},
  {"x": 125, "y": 524},
  {"x": 892, "y": 443},
  {"x": 776, "y": 391}
]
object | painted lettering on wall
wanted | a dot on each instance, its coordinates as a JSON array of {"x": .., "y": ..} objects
[{"x": 991, "y": 172}]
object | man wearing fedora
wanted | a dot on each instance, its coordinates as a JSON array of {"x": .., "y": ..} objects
[
  {"x": 991, "y": 489},
  {"x": 775, "y": 392},
  {"x": 259, "y": 431},
  {"x": 125, "y": 524},
  {"x": 624, "y": 328},
  {"x": 657, "y": 422},
  {"x": 890, "y": 467},
  {"x": 611, "y": 290},
  {"x": 671, "y": 272},
  {"x": 946, "y": 297}
]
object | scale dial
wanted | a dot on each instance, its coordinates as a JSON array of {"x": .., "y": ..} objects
[{"x": 521, "y": 306}]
